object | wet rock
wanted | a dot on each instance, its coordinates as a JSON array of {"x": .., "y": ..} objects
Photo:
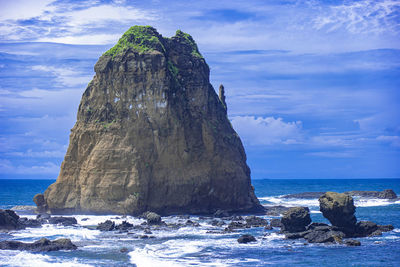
[
  {"x": 296, "y": 220},
  {"x": 31, "y": 223},
  {"x": 66, "y": 221},
  {"x": 305, "y": 195},
  {"x": 296, "y": 235},
  {"x": 255, "y": 221},
  {"x": 319, "y": 236},
  {"x": 318, "y": 226},
  {"x": 339, "y": 209},
  {"x": 42, "y": 245},
  {"x": 365, "y": 228},
  {"x": 386, "y": 228},
  {"x": 388, "y": 194},
  {"x": 9, "y": 220},
  {"x": 376, "y": 233},
  {"x": 106, "y": 226},
  {"x": 153, "y": 218},
  {"x": 123, "y": 250},
  {"x": 275, "y": 210},
  {"x": 244, "y": 239},
  {"x": 276, "y": 223},
  {"x": 40, "y": 203},
  {"x": 192, "y": 223},
  {"x": 124, "y": 226},
  {"x": 217, "y": 222},
  {"x": 236, "y": 225},
  {"x": 352, "y": 242},
  {"x": 385, "y": 194}
]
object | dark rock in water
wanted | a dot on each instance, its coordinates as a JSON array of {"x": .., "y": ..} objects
[
  {"x": 152, "y": 134},
  {"x": 153, "y": 218},
  {"x": 42, "y": 245},
  {"x": 192, "y": 223},
  {"x": 9, "y": 220},
  {"x": 317, "y": 225},
  {"x": 352, "y": 242},
  {"x": 106, "y": 226},
  {"x": 296, "y": 220},
  {"x": 268, "y": 227},
  {"x": 276, "y": 223},
  {"x": 217, "y": 223},
  {"x": 123, "y": 250},
  {"x": 385, "y": 194},
  {"x": 124, "y": 226},
  {"x": 66, "y": 221},
  {"x": 385, "y": 228},
  {"x": 244, "y": 239},
  {"x": 32, "y": 223},
  {"x": 296, "y": 235},
  {"x": 40, "y": 203},
  {"x": 236, "y": 225},
  {"x": 375, "y": 233},
  {"x": 339, "y": 209},
  {"x": 221, "y": 213},
  {"x": 318, "y": 236},
  {"x": 305, "y": 195},
  {"x": 255, "y": 221},
  {"x": 365, "y": 228}
]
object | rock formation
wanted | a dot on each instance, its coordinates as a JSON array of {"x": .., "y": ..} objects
[
  {"x": 152, "y": 135},
  {"x": 296, "y": 219},
  {"x": 339, "y": 209}
]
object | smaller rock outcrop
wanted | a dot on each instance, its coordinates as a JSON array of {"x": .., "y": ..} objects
[
  {"x": 339, "y": 209},
  {"x": 296, "y": 219},
  {"x": 153, "y": 218},
  {"x": 244, "y": 239},
  {"x": 385, "y": 194},
  {"x": 352, "y": 242},
  {"x": 106, "y": 226},
  {"x": 9, "y": 220},
  {"x": 66, "y": 221},
  {"x": 254, "y": 221},
  {"x": 42, "y": 245},
  {"x": 40, "y": 203}
]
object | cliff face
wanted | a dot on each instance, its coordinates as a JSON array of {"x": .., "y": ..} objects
[{"x": 151, "y": 134}]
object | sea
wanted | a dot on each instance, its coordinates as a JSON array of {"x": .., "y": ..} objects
[{"x": 205, "y": 245}]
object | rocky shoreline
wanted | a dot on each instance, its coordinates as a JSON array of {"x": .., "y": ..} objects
[{"x": 295, "y": 224}]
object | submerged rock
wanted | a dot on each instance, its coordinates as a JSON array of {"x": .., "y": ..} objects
[
  {"x": 296, "y": 219},
  {"x": 339, "y": 209},
  {"x": 244, "y": 239},
  {"x": 152, "y": 134},
  {"x": 42, "y": 245}
]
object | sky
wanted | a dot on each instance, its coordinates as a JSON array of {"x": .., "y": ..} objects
[{"x": 312, "y": 87}]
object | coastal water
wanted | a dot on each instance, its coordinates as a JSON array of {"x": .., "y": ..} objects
[{"x": 204, "y": 245}]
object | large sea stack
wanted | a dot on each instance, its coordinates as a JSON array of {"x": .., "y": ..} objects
[{"x": 152, "y": 135}]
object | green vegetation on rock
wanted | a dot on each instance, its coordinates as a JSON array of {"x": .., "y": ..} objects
[
  {"x": 188, "y": 38},
  {"x": 138, "y": 38}
]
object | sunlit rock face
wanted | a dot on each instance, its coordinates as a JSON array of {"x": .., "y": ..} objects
[{"x": 152, "y": 135}]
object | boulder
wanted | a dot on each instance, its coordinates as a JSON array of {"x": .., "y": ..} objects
[
  {"x": 296, "y": 219},
  {"x": 152, "y": 134},
  {"x": 153, "y": 218},
  {"x": 9, "y": 220},
  {"x": 320, "y": 236},
  {"x": 42, "y": 245},
  {"x": 31, "y": 223},
  {"x": 365, "y": 228},
  {"x": 339, "y": 209},
  {"x": 124, "y": 226},
  {"x": 66, "y": 221},
  {"x": 244, "y": 239},
  {"x": 40, "y": 203},
  {"x": 255, "y": 221},
  {"x": 106, "y": 226},
  {"x": 352, "y": 242},
  {"x": 276, "y": 223}
]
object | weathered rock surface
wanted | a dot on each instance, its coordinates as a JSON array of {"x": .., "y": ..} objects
[
  {"x": 40, "y": 203},
  {"x": 244, "y": 239},
  {"x": 41, "y": 245},
  {"x": 296, "y": 219},
  {"x": 152, "y": 135},
  {"x": 339, "y": 209},
  {"x": 106, "y": 226},
  {"x": 385, "y": 194},
  {"x": 305, "y": 195},
  {"x": 9, "y": 220},
  {"x": 153, "y": 218}
]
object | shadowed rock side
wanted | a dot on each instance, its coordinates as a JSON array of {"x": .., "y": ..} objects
[{"x": 152, "y": 135}]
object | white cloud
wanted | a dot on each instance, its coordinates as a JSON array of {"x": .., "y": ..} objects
[
  {"x": 39, "y": 154},
  {"x": 24, "y": 9},
  {"x": 7, "y": 167},
  {"x": 331, "y": 154},
  {"x": 85, "y": 39},
  {"x": 66, "y": 76},
  {"x": 267, "y": 131}
]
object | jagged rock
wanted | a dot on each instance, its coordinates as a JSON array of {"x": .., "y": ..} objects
[
  {"x": 352, "y": 242},
  {"x": 124, "y": 226},
  {"x": 339, "y": 209},
  {"x": 388, "y": 194},
  {"x": 275, "y": 210},
  {"x": 255, "y": 221},
  {"x": 42, "y": 245},
  {"x": 275, "y": 223},
  {"x": 192, "y": 223},
  {"x": 217, "y": 222},
  {"x": 66, "y": 221},
  {"x": 153, "y": 218},
  {"x": 40, "y": 203},
  {"x": 106, "y": 226},
  {"x": 320, "y": 236},
  {"x": 152, "y": 134},
  {"x": 365, "y": 228},
  {"x": 296, "y": 219},
  {"x": 244, "y": 239},
  {"x": 32, "y": 223},
  {"x": 385, "y": 228},
  {"x": 305, "y": 195},
  {"x": 236, "y": 225},
  {"x": 9, "y": 220}
]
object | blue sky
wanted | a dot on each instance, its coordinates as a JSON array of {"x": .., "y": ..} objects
[{"x": 313, "y": 87}]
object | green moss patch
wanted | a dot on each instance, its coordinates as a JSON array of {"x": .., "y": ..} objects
[{"x": 189, "y": 40}]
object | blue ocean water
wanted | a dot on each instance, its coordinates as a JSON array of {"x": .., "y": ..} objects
[{"x": 196, "y": 246}]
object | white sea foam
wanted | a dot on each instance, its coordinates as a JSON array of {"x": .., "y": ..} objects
[
  {"x": 296, "y": 202},
  {"x": 14, "y": 258}
]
